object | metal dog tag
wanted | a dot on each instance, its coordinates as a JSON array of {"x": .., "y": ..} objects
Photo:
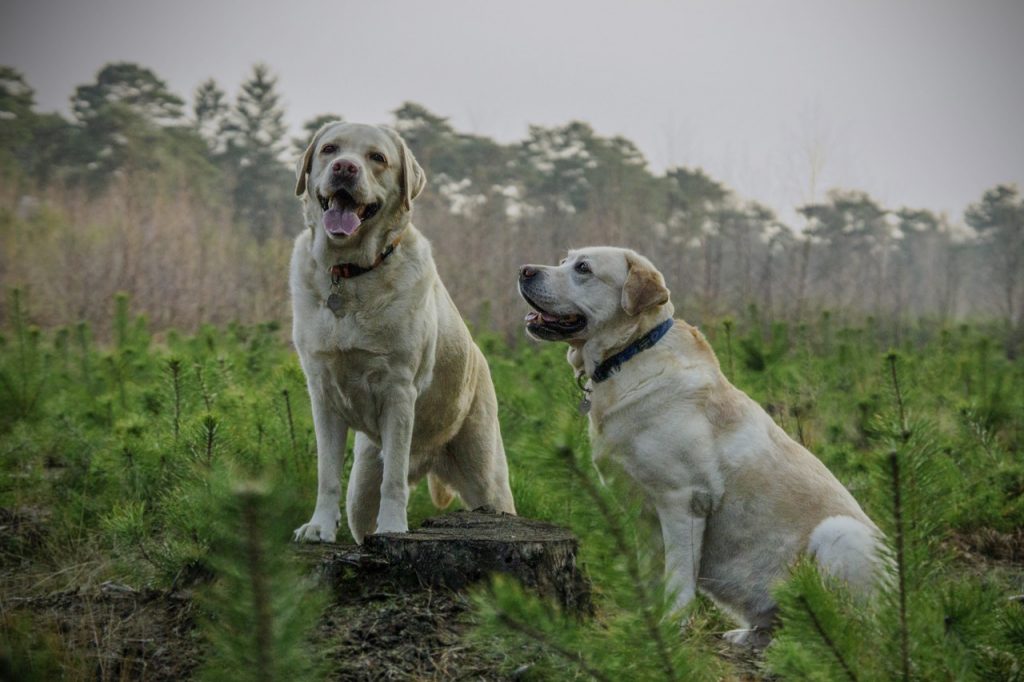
[{"x": 335, "y": 303}]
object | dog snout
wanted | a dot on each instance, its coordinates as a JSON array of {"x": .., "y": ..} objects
[
  {"x": 528, "y": 272},
  {"x": 344, "y": 169}
]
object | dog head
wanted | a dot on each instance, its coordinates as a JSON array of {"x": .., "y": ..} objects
[
  {"x": 599, "y": 292},
  {"x": 353, "y": 177}
]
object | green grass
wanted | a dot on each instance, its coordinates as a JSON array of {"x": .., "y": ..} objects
[{"x": 133, "y": 447}]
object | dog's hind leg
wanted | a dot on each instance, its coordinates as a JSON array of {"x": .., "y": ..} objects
[
  {"x": 363, "y": 499},
  {"x": 474, "y": 461},
  {"x": 440, "y": 494},
  {"x": 758, "y": 635}
]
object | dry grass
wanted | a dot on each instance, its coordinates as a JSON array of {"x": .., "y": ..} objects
[{"x": 181, "y": 260}]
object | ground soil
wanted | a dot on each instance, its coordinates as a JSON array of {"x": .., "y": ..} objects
[
  {"x": 384, "y": 622},
  {"x": 380, "y": 624}
]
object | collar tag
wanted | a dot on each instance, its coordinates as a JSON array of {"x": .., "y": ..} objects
[
  {"x": 335, "y": 303},
  {"x": 585, "y": 404}
]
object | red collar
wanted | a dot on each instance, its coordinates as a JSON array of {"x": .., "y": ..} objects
[{"x": 340, "y": 271}]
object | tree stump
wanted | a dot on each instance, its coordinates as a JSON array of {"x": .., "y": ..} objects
[{"x": 462, "y": 548}]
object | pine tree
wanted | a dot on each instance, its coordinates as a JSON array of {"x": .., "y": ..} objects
[
  {"x": 132, "y": 87},
  {"x": 309, "y": 129},
  {"x": 209, "y": 109},
  {"x": 999, "y": 220},
  {"x": 122, "y": 119},
  {"x": 256, "y": 126},
  {"x": 16, "y": 101},
  {"x": 256, "y": 139}
]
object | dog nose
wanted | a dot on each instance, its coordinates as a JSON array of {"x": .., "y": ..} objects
[
  {"x": 346, "y": 169},
  {"x": 527, "y": 272}
]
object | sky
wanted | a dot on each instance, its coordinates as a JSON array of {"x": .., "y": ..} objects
[{"x": 918, "y": 102}]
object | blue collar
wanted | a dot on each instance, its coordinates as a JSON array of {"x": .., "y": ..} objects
[{"x": 607, "y": 368}]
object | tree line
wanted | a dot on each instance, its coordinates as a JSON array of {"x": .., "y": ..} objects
[{"x": 139, "y": 186}]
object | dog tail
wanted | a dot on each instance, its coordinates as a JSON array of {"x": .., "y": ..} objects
[
  {"x": 441, "y": 494},
  {"x": 849, "y": 550}
]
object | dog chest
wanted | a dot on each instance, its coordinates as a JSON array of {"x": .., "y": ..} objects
[
  {"x": 355, "y": 384},
  {"x": 660, "y": 450},
  {"x": 327, "y": 333}
]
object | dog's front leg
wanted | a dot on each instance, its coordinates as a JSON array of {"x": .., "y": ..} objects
[
  {"x": 396, "y": 441},
  {"x": 331, "y": 439},
  {"x": 683, "y": 516}
]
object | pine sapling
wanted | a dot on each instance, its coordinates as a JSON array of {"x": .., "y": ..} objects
[
  {"x": 637, "y": 634},
  {"x": 644, "y": 599},
  {"x": 901, "y": 563},
  {"x": 260, "y": 609},
  {"x": 290, "y": 422},
  {"x": 25, "y": 383},
  {"x": 174, "y": 369},
  {"x": 204, "y": 389},
  {"x": 82, "y": 337},
  {"x": 904, "y": 432},
  {"x": 826, "y": 638},
  {"x": 209, "y": 437}
]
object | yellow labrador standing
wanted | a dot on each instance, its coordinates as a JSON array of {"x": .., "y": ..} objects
[
  {"x": 384, "y": 350},
  {"x": 737, "y": 499}
]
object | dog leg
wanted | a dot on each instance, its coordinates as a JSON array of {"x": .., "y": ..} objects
[
  {"x": 683, "y": 516},
  {"x": 331, "y": 438},
  {"x": 474, "y": 462},
  {"x": 757, "y": 637},
  {"x": 501, "y": 499},
  {"x": 398, "y": 415},
  {"x": 363, "y": 499}
]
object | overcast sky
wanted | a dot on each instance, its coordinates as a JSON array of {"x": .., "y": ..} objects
[{"x": 918, "y": 102}]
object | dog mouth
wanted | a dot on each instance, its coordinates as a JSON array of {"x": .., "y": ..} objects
[
  {"x": 549, "y": 326},
  {"x": 343, "y": 215}
]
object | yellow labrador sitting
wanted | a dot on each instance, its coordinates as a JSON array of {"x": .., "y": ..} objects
[
  {"x": 737, "y": 499},
  {"x": 384, "y": 350}
]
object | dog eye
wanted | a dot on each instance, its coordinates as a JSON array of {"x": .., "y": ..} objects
[
  {"x": 328, "y": 149},
  {"x": 583, "y": 267},
  {"x": 377, "y": 156}
]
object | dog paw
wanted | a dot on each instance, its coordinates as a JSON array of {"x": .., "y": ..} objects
[
  {"x": 751, "y": 638},
  {"x": 397, "y": 527},
  {"x": 317, "y": 530},
  {"x": 392, "y": 524}
]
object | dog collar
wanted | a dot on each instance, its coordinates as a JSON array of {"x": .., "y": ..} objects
[
  {"x": 607, "y": 368},
  {"x": 340, "y": 271}
]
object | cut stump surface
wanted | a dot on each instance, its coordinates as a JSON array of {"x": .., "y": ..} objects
[{"x": 462, "y": 548}]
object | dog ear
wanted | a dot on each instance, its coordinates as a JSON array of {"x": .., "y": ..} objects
[
  {"x": 414, "y": 179},
  {"x": 302, "y": 168},
  {"x": 644, "y": 287},
  {"x": 305, "y": 164}
]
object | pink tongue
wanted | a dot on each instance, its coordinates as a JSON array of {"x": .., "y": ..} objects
[{"x": 344, "y": 222}]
